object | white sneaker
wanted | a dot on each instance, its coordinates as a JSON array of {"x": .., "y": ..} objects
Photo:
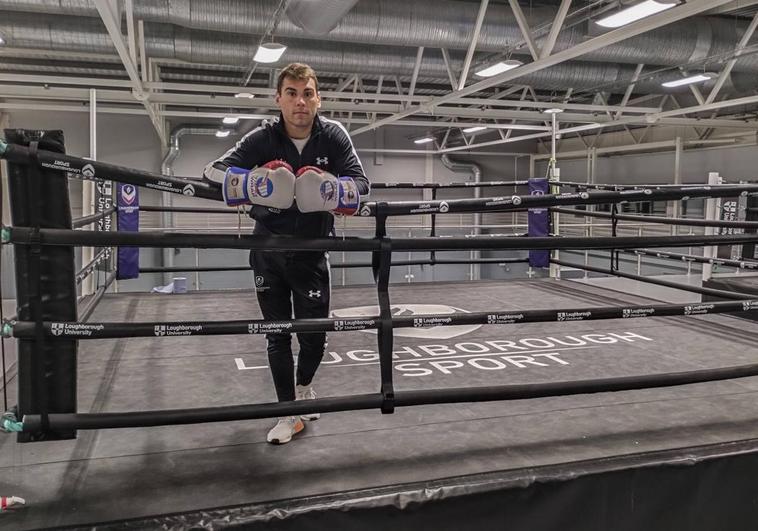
[
  {"x": 284, "y": 430},
  {"x": 306, "y": 392}
]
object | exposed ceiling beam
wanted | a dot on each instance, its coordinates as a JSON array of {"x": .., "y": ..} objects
[
  {"x": 630, "y": 89},
  {"x": 526, "y": 31},
  {"x": 416, "y": 69},
  {"x": 693, "y": 7},
  {"x": 165, "y": 87},
  {"x": 472, "y": 44},
  {"x": 730, "y": 64},
  {"x": 450, "y": 73},
  {"x": 108, "y": 10},
  {"x": 555, "y": 28}
]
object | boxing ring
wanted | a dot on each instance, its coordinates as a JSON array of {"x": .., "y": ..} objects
[{"x": 546, "y": 403}]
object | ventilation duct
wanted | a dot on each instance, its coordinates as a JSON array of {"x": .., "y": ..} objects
[
  {"x": 429, "y": 23},
  {"x": 318, "y": 17},
  {"x": 165, "y": 41},
  {"x": 167, "y": 168}
]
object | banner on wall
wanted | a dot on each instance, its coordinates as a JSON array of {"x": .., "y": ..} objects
[
  {"x": 103, "y": 202},
  {"x": 539, "y": 224},
  {"x": 127, "y": 220}
]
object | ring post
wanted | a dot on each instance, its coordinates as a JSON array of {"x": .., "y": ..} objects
[{"x": 46, "y": 367}]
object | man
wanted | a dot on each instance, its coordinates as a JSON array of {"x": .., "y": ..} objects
[{"x": 304, "y": 169}]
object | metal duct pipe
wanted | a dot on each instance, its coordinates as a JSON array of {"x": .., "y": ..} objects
[
  {"x": 318, "y": 17},
  {"x": 432, "y": 24},
  {"x": 167, "y": 168},
  {"x": 475, "y": 170}
]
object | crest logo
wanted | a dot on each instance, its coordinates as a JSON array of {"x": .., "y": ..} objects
[
  {"x": 259, "y": 281},
  {"x": 57, "y": 329},
  {"x": 128, "y": 194},
  {"x": 160, "y": 330},
  {"x": 88, "y": 171}
]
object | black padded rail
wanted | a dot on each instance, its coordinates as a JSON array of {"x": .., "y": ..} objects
[
  {"x": 659, "y": 219},
  {"x": 45, "y": 285},
  {"x": 169, "y": 329}
]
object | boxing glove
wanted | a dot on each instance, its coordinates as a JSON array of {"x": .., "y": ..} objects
[
  {"x": 317, "y": 190},
  {"x": 270, "y": 185}
]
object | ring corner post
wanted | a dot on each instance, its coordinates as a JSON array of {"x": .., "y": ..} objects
[{"x": 45, "y": 285}]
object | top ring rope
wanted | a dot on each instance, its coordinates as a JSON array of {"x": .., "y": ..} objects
[{"x": 90, "y": 169}]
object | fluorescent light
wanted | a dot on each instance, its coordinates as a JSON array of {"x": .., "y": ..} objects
[
  {"x": 2, "y": 41},
  {"x": 553, "y": 110},
  {"x": 499, "y": 68},
  {"x": 222, "y": 133},
  {"x": 230, "y": 120},
  {"x": 269, "y": 52},
  {"x": 635, "y": 12},
  {"x": 699, "y": 78},
  {"x": 244, "y": 95},
  {"x": 474, "y": 129},
  {"x": 424, "y": 140}
]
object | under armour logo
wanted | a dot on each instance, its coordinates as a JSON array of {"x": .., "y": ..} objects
[
  {"x": 314, "y": 294},
  {"x": 322, "y": 161}
]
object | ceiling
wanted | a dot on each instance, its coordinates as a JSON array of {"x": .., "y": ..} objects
[{"x": 389, "y": 62}]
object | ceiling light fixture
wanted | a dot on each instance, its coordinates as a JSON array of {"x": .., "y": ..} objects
[
  {"x": 269, "y": 52},
  {"x": 636, "y": 12},
  {"x": 474, "y": 129},
  {"x": 553, "y": 110},
  {"x": 424, "y": 140},
  {"x": 689, "y": 80},
  {"x": 222, "y": 133},
  {"x": 230, "y": 120},
  {"x": 244, "y": 95},
  {"x": 499, "y": 68}
]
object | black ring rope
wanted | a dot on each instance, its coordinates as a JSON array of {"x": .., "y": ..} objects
[
  {"x": 373, "y": 401},
  {"x": 23, "y": 235},
  {"x": 677, "y": 285},
  {"x": 659, "y": 219},
  {"x": 92, "y": 218},
  {"x": 600, "y": 186},
  {"x": 381, "y": 247},
  {"x": 167, "y": 329},
  {"x": 741, "y": 264},
  {"x": 342, "y": 265}
]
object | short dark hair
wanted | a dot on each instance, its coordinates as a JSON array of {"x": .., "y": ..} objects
[{"x": 297, "y": 71}]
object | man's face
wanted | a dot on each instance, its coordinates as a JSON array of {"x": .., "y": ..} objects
[{"x": 298, "y": 101}]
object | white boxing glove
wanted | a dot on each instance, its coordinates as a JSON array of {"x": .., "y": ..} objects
[
  {"x": 271, "y": 185},
  {"x": 317, "y": 190}
]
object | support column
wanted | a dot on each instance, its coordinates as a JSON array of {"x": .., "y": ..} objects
[{"x": 88, "y": 191}]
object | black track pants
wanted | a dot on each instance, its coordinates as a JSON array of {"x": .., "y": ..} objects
[{"x": 285, "y": 281}]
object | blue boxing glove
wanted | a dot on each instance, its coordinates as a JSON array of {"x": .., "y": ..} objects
[
  {"x": 270, "y": 185},
  {"x": 317, "y": 190},
  {"x": 349, "y": 197}
]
